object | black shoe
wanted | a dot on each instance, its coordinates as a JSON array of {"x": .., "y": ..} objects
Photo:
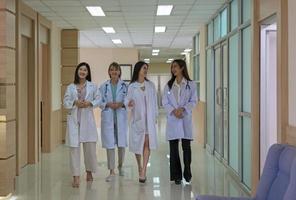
[
  {"x": 142, "y": 180},
  {"x": 177, "y": 182}
]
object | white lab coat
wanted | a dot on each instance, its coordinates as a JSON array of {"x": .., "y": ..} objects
[
  {"x": 180, "y": 128},
  {"x": 107, "y": 116},
  {"x": 137, "y": 122},
  {"x": 87, "y": 131}
]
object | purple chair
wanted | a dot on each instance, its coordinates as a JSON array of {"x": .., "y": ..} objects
[{"x": 278, "y": 180}]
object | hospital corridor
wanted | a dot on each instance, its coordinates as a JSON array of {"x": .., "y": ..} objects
[{"x": 147, "y": 100}]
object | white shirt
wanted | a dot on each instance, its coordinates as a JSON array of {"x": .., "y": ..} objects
[{"x": 177, "y": 89}]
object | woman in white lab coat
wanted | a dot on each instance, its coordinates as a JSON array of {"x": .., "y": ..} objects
[
  {"x": 114, "y": 118},
  {"x": 142, "y": 100},
  {"x": 179, "y": 98},
  {"x": 80, "y": 99}
]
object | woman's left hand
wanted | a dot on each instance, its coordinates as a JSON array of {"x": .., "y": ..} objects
[{"x": 87, "y": 104}]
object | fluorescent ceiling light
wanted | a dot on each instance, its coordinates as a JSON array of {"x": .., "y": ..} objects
[
  {"x": 117, "y": 41},
  {"x": 171, "y": 59},
  {"x": 108, "y": 29},
  {"x": 164, "y": 10},
  {"x": 95, "y": 10},
  {"x": 187, "y": 50},
  {"x": 159, "y": 29},
  {"x": 183, "y": 53},
  {"x": 155, "y": 50},
  {"x": 154, "y": 54}
]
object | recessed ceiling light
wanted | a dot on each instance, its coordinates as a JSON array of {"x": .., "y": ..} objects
[
  {"x": 147, "y": 60},
  {"x": 159, "y": 29},
  {"x": 155, "y": 50},
  {"x": 187, "y": 50},
  {"x": 164, "y": 10},
  {"x": 117, "y": 41},
  {"x": 95, "y": 10},
  {"x": 154, "y": 54},
  {"x": 108, "y": 29}
]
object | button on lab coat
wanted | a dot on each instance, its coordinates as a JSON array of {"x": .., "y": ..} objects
[
  {"x": 87, "y": 131},
  {"x": 180, "y": 128},
  {"x": 107, "y": 116},
  {"x": 137, "y": 122}
]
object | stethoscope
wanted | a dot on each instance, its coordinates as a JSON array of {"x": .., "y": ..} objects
[
  {"x": 123, "y": 87},
  {"x": 187, "y": 87}
]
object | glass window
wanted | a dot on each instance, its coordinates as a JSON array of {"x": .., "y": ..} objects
[
  {"x": 247, "y": 159},
  {"x": 246, "y": 10},
  {"x": 196, "y": 67},
  {"x": 224, "y": 28},
  {"x": 233, "y": 103},
  {"x": 246, "y": 61},
  {"x": 217, "y": 28},
  {"x": 210, "y": 99},
  {"x": 234, "y": 14},
  {"x": 210, "y": 33}
]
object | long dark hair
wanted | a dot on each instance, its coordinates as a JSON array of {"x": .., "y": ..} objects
[
  {"x": 185, "y": 74},
  {"x": 116, "y": 66},
  {"x": 76, "y": 77},
  {"x": 137, "y": 68}
]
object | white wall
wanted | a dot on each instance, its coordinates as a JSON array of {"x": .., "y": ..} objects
[
  {"x": 292, "y": 61},
  {"x": 56, "y": 67}
]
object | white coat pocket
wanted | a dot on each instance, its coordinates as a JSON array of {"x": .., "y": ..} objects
[{"x": 138, "y": 127}]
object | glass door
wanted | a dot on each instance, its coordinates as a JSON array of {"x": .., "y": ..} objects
[
  {"x": 224, "y": 49},
  {"x": 218, "y": 103}
]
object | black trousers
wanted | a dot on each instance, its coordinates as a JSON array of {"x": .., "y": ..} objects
[{"x": 175, "y": 164}]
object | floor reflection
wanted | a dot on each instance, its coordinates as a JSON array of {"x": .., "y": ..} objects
[{"x": 51, "y": 179}]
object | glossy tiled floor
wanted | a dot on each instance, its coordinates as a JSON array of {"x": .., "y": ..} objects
[{"x": 51, "y": 179}]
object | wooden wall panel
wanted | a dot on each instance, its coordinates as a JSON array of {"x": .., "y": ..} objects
[
  {"x": 70, "y": 57},
  {"x": 7, "y": 139},
  {"x": 70, "y": 38},
  {"x": 67, "y": 75},
  {"x": 291, "y": 135},
  {"x": 7, "y": 65},
  {"x": 69, "y": 60},
  {"x": 7, "y": 174},
  {"x": 7, "y": 96},
  {"x": 7, "y": 29},
  {"x": 8, "y": 4}
]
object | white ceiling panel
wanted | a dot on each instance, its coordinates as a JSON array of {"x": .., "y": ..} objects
[{"x": 133, "y": 21}]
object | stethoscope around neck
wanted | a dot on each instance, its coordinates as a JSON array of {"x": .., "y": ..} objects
[
  {"x": 123, "y": 87},
  {"x": 187, "y": 87}
]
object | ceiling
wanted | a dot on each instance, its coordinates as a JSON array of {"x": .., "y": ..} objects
[{"x": 133, "y": 21}]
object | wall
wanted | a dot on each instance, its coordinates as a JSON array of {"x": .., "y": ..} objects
[
  {"x": 100, "y": 59},
  {"x": 55, "y": 115},
  {"x": 7, "y": 96},
  {"x": 159, "y": 68},
  {"x": 291, "y": 130}
]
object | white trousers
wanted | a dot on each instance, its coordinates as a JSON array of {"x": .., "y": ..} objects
[
  {"x": 90, "y": 158},
  {"x": 111, "y": 157}
]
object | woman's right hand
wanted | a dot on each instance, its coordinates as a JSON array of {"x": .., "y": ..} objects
[
  {"x": 131, "y": 103},
  {"x": 78, "y": 103},
  {"x": 111, "y": 105}
]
